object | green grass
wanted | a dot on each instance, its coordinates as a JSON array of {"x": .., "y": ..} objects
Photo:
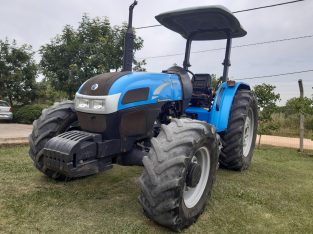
[{"x": 274, "y": 196}]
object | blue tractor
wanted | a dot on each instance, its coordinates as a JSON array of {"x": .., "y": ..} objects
[{"x": 174, "y": 123}]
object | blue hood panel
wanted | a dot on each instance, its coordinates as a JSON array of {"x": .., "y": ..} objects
[{"x": 162, "y": 88}]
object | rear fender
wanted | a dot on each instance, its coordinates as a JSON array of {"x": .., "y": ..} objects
[{"x": 220, "y": 112}]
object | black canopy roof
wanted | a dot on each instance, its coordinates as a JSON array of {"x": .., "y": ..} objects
[{"x": 202, "y": 23}]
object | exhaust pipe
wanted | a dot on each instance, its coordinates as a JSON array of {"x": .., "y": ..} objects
[{"x": 129, "y": 41}]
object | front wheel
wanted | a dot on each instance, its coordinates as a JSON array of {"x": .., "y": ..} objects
[
  {"x": 239, "y": 138},
  {"x": 59, "y": 118},
  {"x": 179, "y": 173}
]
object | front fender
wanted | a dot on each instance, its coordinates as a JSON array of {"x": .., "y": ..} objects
[{"x": 223, "y": 101}]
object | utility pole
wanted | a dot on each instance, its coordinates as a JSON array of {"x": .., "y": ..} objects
[{"x": 301, "y": 117}]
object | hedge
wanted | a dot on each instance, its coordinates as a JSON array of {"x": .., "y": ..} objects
[{"x": 28, "y": 113}]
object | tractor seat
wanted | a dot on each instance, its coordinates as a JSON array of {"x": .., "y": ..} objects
[{"x": 202, "y": 91}]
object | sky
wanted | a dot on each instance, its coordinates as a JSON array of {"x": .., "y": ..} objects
[{"x": 36, "y": 22}]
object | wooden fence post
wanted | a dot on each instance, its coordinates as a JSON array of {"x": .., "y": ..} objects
[{"x": 301, "y": 117}]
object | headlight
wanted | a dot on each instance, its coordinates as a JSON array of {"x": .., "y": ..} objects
[
  {"x": 97, "y": 104},
  {"x": 82, "y": 103}
]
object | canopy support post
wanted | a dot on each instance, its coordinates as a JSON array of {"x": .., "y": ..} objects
[
  {"x": 186, "y": 63},
  {"x": 226, "y": 62}
]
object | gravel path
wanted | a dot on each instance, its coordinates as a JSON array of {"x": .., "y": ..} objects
[
  {"x": 288, "y": 142},
  {"x": 18, "y": 134},
  {"x": 14, "y": 133}
]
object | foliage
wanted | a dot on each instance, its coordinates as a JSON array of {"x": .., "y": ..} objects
[
  {"x": 139, "y": 66},
  {"x": 79, "y": 54},
  {"x": 267, "y": 127},
  {"x": 288, "y": 117},
  {"x": 27, "y": 114},
  {"x": 214, "y": 81},
  {"x": 308, "y": 123},
  {"x": 288, "y": 125},
  {"x": 18, "y": 72},
  {"x": 299, "y": 105},
  {"x": 266, "y": 96},
  {"x": 267, "y": 99},
  {"x": 47, "y": 94}
]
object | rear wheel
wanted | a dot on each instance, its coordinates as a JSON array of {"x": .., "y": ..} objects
[
  {"x": 59, "y": 118},
  {"x": 239, "y": 138},
  {"x": 179, "y": 173}
]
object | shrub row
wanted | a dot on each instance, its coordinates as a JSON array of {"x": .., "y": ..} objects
[{"x": 28, "y": 113}]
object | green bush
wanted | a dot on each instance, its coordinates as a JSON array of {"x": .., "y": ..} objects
[
  {"x": 27, "y": 114},
  {"x": 288, "y": 125},
  {"x": 308, "y": 122}
]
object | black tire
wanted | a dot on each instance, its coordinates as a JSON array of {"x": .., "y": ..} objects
[
  {"x": 53, "y": 121},
  {"x": 166, "y": 166},
  {"x": 234, "y": 155}
]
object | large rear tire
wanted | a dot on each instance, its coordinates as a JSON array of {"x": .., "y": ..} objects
[
  {"x": 239, "y": 138},
  {"x": 54, "y": 120},
  {"x": 179, "y": 173}
]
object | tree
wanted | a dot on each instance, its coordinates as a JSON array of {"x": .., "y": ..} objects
[
  {"x": 267, "y": 99},
  {"x": 296, "y": 106},
  {"x": 79, "y": 54},
  {"x": 18, "y": 72},
  {"x": 46, "y": 94},
  {"x": 215, "y": 81},
  {"x": 139, "y": 65},
  {"x": 299, "y": 105},
  {"x": 266, "y": 96}
]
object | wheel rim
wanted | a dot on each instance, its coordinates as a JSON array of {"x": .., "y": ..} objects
[
  {"x": 192, "y": 196},
  {"x": 248, "y": 133}
]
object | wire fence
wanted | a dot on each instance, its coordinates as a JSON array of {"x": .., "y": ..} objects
[
  {"x": 286, "y": 142},
  {"x": 287, "y": 132}
]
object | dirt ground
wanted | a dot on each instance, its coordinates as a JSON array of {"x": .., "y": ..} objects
[
  {"x": 14, "y": 133},
  {"x": 288, "y": 142},
  {"x": 18, "y": 134}
]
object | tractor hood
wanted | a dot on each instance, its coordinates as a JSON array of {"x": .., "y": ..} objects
[
  {"x": 110, "y": 92},
  {"x": 100, "y": 84}
]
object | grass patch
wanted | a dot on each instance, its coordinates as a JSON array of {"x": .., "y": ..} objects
[{"x": 274, "y": 196}]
